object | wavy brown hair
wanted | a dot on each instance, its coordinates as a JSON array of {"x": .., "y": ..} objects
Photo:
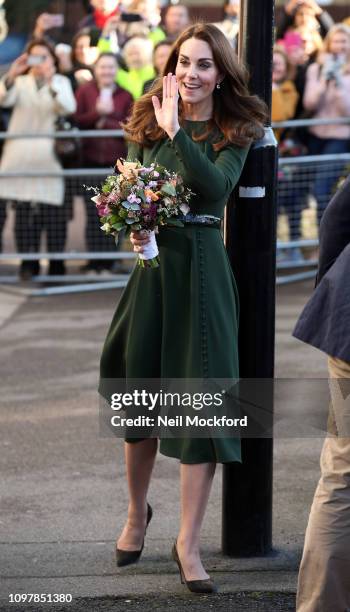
[{"x": 238, "y": 115}]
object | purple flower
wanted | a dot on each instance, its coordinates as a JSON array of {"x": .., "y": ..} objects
[
  {"x": 152, "y": 184},
  {"x": 153, "y": 211},
  {"x": 156, "y": 174},
  {"x": 132, "y": 198}
]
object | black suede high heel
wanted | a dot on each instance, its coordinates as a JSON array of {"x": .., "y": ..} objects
[
  {"x": 196, "y": 586},
  {"x": 126, "y": 557}
]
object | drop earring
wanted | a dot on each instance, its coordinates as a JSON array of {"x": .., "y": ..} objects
[{"x": 218, "y": 85}]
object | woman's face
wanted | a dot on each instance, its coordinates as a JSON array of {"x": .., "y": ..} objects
[
  {"x": 196, "y": 72},
  {"x": 176, "y": 19},
  {"x": 85, "y": 54},
  {"x": 46, "y": 64},
  {"x": 279, "y": 68},
  {"x": 133, "y": 56},
  {"x": 339, "y": 44},
  {"x": 105, "y": 71},
  {"x": 160, "y": 57}
]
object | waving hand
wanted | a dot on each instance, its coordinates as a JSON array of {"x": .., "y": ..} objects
[{"x": 167, "y": 113}]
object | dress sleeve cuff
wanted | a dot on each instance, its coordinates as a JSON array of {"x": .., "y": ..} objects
[{"x": 180, "y": 137}]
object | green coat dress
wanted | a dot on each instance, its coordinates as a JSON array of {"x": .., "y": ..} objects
[{"x": 180, "y": 320}]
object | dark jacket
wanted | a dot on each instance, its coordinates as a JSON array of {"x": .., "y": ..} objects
[
  {"x": 101, "y": 151},
  {"x": 325, "y": 320}
]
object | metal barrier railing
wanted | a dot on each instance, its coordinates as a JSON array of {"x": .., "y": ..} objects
[
  {"x": 298, "y": 213},
  {"x": 73, "y": 133},
  {"x": 306, "y": 184},
  {"x": 296, "y": 123}
]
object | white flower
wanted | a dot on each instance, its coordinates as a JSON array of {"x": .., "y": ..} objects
[
  {"x": 184, "y": 208},
  {"x": 106, "y": 227}
]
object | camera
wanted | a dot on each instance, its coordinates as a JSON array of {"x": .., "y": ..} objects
[{"x": 35, "y": 60}]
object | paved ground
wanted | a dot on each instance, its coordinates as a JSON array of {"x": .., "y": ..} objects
[{"x": 63, "y": 489}]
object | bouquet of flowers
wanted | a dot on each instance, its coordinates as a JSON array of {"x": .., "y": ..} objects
[{"x": 141, "y": 198}]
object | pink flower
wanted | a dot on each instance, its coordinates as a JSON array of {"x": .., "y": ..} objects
[
  {"x": 103, "y": 210},
  {"x": 112, "y": 198},
  {"x": 99, "y": 199}
]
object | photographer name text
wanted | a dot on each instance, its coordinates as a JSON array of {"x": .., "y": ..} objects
[{"x": 178, "y": 421}]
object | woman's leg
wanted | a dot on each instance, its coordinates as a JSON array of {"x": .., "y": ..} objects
[
  {"x": 196, "y": 481},
  {"x": 139, "y": 459},
  {"x": 28, "y": 225},
  {"x": 55, "y": 221}
]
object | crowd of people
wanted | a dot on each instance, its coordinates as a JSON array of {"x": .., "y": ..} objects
[
  {"x": 114, "y": 57},
  {"x": 311, "y": 80}
]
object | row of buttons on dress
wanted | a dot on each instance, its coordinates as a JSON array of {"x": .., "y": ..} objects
[
  {"x": 203, "y": 315},
  {"x": 204, "y": 338}
]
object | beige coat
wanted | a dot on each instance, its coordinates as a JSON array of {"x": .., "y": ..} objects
[{"x": 34, "y": 110}]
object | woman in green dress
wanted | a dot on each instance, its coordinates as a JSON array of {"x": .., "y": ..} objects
[{"x": 180, "y": 320}]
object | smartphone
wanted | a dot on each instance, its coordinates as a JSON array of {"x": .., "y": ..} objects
[
  {"x": 57, "y": 20},
  {"x": 130, "y": 17},
  {"x": 35, "y": 60}
]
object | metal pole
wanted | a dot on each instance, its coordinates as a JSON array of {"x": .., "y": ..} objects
[{"x": 250, "y": 235}]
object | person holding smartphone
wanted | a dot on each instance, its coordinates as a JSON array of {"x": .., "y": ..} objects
[
  {"x": 326, "y": 96},
  {"x": 25, "y": 21},
  {"x": 303, "y": 14},
  {"x": 38, "y": 95},
  {"x": 47, "y": 21}
]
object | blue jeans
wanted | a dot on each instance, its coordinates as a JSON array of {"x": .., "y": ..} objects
[{"x": 327, "y": 173}]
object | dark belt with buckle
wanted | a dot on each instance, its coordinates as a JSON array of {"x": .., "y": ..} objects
[{"x": 206, "y": 220}]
